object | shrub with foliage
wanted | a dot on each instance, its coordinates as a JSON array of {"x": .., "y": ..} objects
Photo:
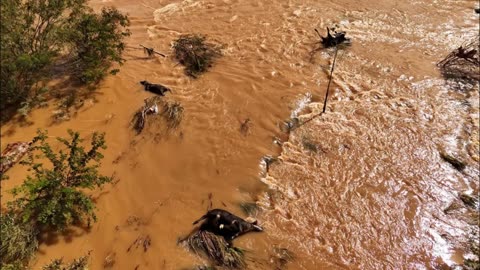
[
  {"x": 19, "y": 241},
  {"x": 53, "y": 196},
  {"x": 36, "y": 33},
  {"x": 97, "y": 42}
]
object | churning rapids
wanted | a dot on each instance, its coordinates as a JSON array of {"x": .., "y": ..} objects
[{"x": 362, "y": 186}]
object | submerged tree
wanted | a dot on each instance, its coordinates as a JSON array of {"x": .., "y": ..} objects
[{"x": 53, "y": 196}]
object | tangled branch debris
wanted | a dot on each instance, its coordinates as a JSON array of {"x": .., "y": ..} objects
[
  {"x": 77, "y": 264},
  {"x": 195, "y": 53},
  {"x": 172, "y": 113},
  {"x": 216, "y": 249},
  {"x": 463, "y": 62}
]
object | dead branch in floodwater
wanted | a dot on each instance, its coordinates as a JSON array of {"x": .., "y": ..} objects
[
  {"x": 463, "y": 62},
  {"x": 195, "y": 53},
  {"x": 151, "y": 51}
]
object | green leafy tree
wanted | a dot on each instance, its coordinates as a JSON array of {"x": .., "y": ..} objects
[
  {"x": 97, "y": 42},
  {"x": 53, "y": 196},
  {"x": 36, "y": 34}
]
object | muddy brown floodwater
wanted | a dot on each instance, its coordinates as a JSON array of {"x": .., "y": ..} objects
[{"x": 360, "y": 187}]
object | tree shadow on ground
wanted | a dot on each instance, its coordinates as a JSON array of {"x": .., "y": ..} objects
[{"x": 52, "y": 237}]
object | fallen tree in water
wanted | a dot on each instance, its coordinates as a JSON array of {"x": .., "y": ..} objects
[{"x": 195, "y": 53}]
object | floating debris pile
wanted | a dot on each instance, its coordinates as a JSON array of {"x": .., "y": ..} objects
[{"x": 195, "y": 53}]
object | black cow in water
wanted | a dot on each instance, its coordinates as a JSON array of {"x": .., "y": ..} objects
[
  {"x": 333, "y": 38},
  {"x": 226, "y": 224},
  {"x": 155, "y": 88}
]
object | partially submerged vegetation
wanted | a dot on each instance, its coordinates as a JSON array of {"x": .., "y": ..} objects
[
  {"x": 249, "y": 208},
  {"x": 52, "y": 198},
  {"x": 42, "y": 39},
  {"x": 19, "y": 241},
  {"x": 172, "y": 112},
  {"x": 77, "y": 264},
  {"x": 216, "y": 249},
  {"x": 195, "y": 53}
]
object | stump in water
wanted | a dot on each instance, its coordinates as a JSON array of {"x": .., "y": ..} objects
[
  {"x": 216, "y": 249},
  {"x": 195, "y": 54}
]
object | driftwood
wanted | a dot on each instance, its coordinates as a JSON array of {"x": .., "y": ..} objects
[
  {"x": 12, "y": 154},
  {"x": 151, "y": 51}
]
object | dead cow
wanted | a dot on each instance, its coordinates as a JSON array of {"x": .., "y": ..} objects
[
  {"x": 226, "y": 224},
  {"x": 333, "y": 38},
  {"x": 155, "y": 88}
]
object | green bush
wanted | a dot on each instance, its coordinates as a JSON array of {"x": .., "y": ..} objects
[
  {"x": 98, "y": 41},
  {"x": 36, "y": 33},
  {"x": 19, "y": 241},
  {"x": 53, "y": 196}
]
